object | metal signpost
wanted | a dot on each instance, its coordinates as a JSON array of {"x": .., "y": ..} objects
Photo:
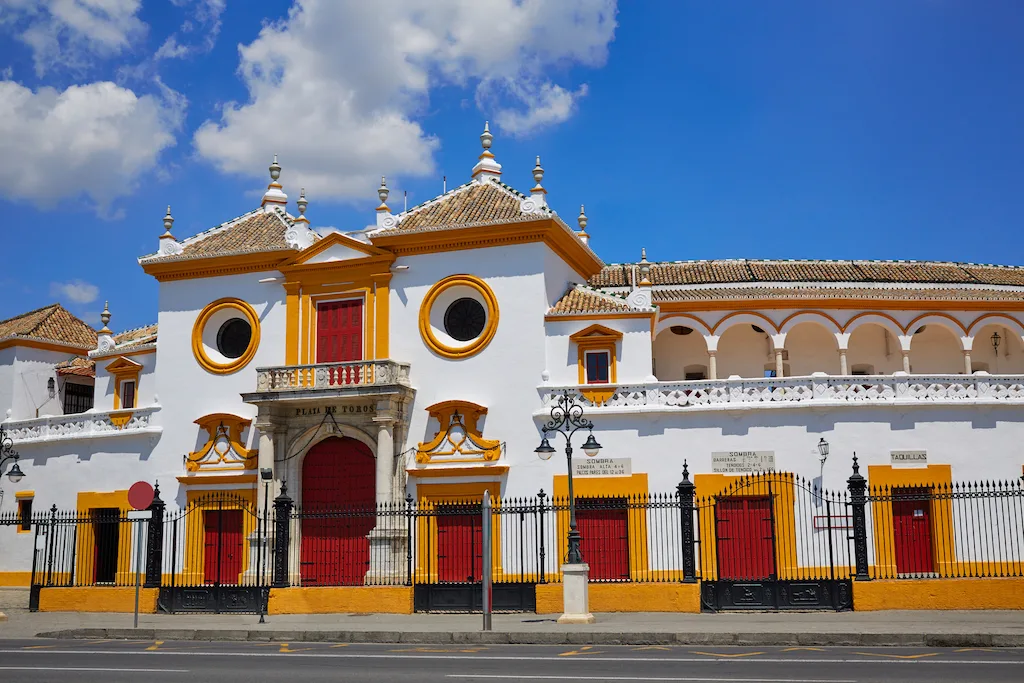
[
  {"x": 140, "y": 497},
  {"x": 486, "y": 550}
]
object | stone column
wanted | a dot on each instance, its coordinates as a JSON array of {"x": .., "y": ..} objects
[
  {"x": 968, "y": 369},
  {"x": 265, "y": 458},
  {"x": 387, "y": 539},
  {"x": 385, "y": 457},
  {"x": 906, "y": 361},
  {"x": 712, "y": 365},
  {"x": 780, "y": 367},
  {"x": 843, "y": 368}
]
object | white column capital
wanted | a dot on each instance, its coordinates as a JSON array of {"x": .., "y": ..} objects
[
  {"x": 779, "y": 340},
  {"x": 712, "y": 341},
  {"x": 967, "y": 342},
  {"x": 843, "y": 340}
]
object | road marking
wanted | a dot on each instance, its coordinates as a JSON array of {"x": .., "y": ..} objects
[
  {"x": 585, "y": 650},
  {"x": 651, "y": 647},
  {"x": 885, "y": 654},
  {"x": 697, "y": 679},
  {"x": 809, "y": 649},
  {"x": 721, "y": 654},
  {"x": 155, "y": 646},
  {"x": 93, "y": 669},
  {"x": 514, "y": 658},
  {"x": 976, "y": 649}
]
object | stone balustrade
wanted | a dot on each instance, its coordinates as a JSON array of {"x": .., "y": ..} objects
[
  {"x": 87, "y": 425},
  {"x": 817, "y": 390},
  {"x": 353, "y": 374}
]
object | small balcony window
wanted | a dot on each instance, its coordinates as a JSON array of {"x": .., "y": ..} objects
[
  {"x": 598, "y": 364},
  {"x": 78, "y": 398},
  {"x": 127, "y": 394}
]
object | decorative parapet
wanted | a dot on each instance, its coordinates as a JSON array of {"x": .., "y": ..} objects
[
  {"x": 354, "y": 374},
  {"x": 817, "y": 390},
  {"x": 88, "y": 425}
]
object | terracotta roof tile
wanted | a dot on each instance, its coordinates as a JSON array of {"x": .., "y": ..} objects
[
  {"x": 876, "y": 293},
  {"x": 136, "y": 337},
  {"x": 580, "y": 300},
  {"x": 255, "y": 231},
  {"x": 745, "y": 270},
  {"x": 83, "y": 367},
  {"x": 52, "y": 323},
  {"x": 470, "y": 204}
]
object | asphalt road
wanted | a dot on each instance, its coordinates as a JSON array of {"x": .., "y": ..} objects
[{"x": 46, "y": 661}]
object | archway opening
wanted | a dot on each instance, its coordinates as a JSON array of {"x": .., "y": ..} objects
[
  {"x": 873, "y": 350},
  {"x": 935, "y": 350},
  {"x": 680, "y": 353},
  {"x": 743, "y": 350},
  {"x": 997, "y": 350},
  {"x": 338, "y": 512},
  {"x": 812, "y": 348}
]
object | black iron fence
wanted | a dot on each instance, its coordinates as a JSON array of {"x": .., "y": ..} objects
[{"x": 779, "y": 531}]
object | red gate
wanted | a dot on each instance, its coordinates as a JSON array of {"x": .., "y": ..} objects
[
  {"x": 459, "y": 543},
  {"x": 604, "y": 537},
  {"x": 222, "y": 544},
  {"x": 912, "y": 531},
  {"x": 338, "y": 512},
  {"x": 746, "y": 539}
]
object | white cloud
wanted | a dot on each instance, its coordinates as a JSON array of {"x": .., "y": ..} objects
[
  {"x": 93, "y": 140},
  {"x": 198, "y": 34},
  {"x": 79, "y": 291},
  {"x": 337, "y": 86},
  {"x": 69, "y": 32}
]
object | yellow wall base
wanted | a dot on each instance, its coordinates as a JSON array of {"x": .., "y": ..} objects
[
  {"x": 362, "y": 599},
  {"x": 938, "y": 594},
  {"x": 97, "y": 599},
  {"x": 626, "y": 597},
  {"x": 17, "y": 579}
]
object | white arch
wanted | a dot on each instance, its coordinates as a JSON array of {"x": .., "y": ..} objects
[
  {"x": 863, "y": 319},
  {"x": 676, "y": 319},
  {"x": 815, "y": 317},
  {"x": 941, "y": 321},
  {"x": 996, "y": 319},
  {"x": 734, "y": 319}
]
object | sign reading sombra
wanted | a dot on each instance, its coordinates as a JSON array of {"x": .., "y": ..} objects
[
  {"x": 742, "y": 461},
  {"x": 602, "y": 467}
]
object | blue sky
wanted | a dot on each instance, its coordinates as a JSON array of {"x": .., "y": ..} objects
[{"x": 795, "y": 129}]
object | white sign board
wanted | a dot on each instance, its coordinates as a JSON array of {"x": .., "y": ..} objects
[
  {"x": 742, "y": 461},
  {"x": 602, "y": 467},
  {"x": 909, "y": 457}
]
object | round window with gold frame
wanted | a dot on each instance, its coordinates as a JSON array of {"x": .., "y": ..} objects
[
  {"x": 225, "y": 336},
  {"x": 459, "y": 316}
]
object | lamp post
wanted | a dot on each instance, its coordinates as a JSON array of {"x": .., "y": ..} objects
[
  {"x": 266, "y": 474},
  {"x": 7, "y": 452},
  {"x": 567, "y": 419}
]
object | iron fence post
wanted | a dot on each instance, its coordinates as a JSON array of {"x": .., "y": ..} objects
[
  {"x": 685, "y": 491},
  {"x": 155, "y": 541},
  {"x": 540, "y": 514},
  {"x": 282, "y": 536},
  {"x": 408, "y": 539},
  {"x": 858, "y": 502},
  {"x": 50, "y": 543}
]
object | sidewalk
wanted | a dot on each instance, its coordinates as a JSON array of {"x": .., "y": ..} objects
[{"x": 917, "y": 628}]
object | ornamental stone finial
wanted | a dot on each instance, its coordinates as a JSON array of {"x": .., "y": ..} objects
[
  {"x": 383, "y": 192},
  {"x": 582, "y": 219},
  {"x": 538, "y": 174},
  {"x": 486, "y": 167},
  {"x": 302, "y": 203},
  {"x": 486, "y": 138},
  {"x": 275, "y": 169},
  {"x": 645, "y": 268},
  {"x": 168, "y": 223},
  {"x": 105, "y": 318},
  {"x": 274, "y": 196}
]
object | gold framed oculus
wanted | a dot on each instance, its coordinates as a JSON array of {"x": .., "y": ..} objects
[
  {"x": 225, "y": 336},
  {"x": 459, "y": 316}
]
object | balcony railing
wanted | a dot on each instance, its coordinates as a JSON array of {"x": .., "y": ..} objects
[
  {"x": 816, "y": 390},
  {"x": 354, "y": 374},
  {"x": 87, "y": 425}
]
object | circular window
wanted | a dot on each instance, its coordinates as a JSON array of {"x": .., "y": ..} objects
[
  {"x": 459, "y": 316},
  {"x": 465, "y": 319},
  {"x": 225, "y": 336},
  {"x": 233, "y": 337}
]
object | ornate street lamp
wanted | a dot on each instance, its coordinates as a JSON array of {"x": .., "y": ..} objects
[
  {"x": 823, "y": 450},
  {"x": 7, "y": 452},
  {"x": 567, "y": 419},
  {"x": 995, "y": 342}
]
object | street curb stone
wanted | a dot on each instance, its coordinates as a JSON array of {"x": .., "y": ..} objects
[{"x": 552, "y": 637}]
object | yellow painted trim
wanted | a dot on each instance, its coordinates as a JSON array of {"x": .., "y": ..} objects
[
  {"x": 119, "y": 420},
  {"x": 842, "y": 304},
  {"x": 235, "y": 364},
  {"x": 623, "y": 315},
  {"x": 597, "y": 338},
  {"x": 342, "y": 599},
  {"x": 626, "y": 597},
  {"x": 207, "y": 479},
  {"x": 234, "y": 425},
  {"x": 24, "y": 494},
  {"x": 941, "y": 594},
  {"x": 630, "y": 487},
  {"x": 472, "y": 444},
  {"x": 97, "y": 599},
  {"x": 43, "y": 346},
  {"x": 16, "y": 580},
  {"x": 291, "y": 341},
  {"x": 563, "y": 242},
  {"x": 481, "y": 342},
  {"x": 334, "y": 238},
  {"x": 216, "y": 266},
  {"x": 477, "y": 471},
  {"x": 382, "y": 298},
  {"x": 932, "y": 478},
  {"x": 124, "y": 370},
  {"x": 86, "y": 503},
  {"x": 783, "y": 490},
  {"x": 19, "y": 498},
  {"x": 195, "y": 529},
  {"x": 431, "y": 495}
]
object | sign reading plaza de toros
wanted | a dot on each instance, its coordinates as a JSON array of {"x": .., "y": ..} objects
[
  {"x": 335, "y": 410},
  {"x": 602, "y": 467},
  {"x": 742, "y": 461}
]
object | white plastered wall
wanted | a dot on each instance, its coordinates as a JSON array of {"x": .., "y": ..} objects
[
  {"x": 6, "y": 381},
  {"x": 674, "y": 353},
  {"x": 632, "y": 352},
  {"x": 1008, "y": 360},
  {"x": 145, "y": 389},
  {"x": 32, "y": 370}
]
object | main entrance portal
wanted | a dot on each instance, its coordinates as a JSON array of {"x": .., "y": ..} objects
[{"x": 338, "y": 503}]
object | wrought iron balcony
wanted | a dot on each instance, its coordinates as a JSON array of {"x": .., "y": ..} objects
[
  {"x": 349, "y": 375},
  {"x": 780, "y": 392},
  {"x": 87, "y": 425}
]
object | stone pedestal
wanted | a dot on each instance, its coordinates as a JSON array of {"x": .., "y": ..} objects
[
  {"x": 575, "y": 595},
  {"x": 388, "y": 557}
]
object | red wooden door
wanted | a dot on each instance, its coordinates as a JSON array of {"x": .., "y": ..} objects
[
  {"x": 106, "y": 529},
  {"x": 912, "y": 532},
  {"x": 339, "y": 331},
  {"x": 338, "y": 512},
  {"x": 460, "y": 556},
  {"x": 222, "y": 557},
  {"x": 604, "y": 537},
  {"x": 745, "y": 539}
]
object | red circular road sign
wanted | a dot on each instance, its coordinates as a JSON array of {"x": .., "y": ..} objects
[{"x": 140, "y": 495}]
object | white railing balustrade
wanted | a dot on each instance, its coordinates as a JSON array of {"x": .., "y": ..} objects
[
  {"x": 83, "y": 425},
  {"x": 332, "y": 375},
  {"x": 816, "y": 390}
]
